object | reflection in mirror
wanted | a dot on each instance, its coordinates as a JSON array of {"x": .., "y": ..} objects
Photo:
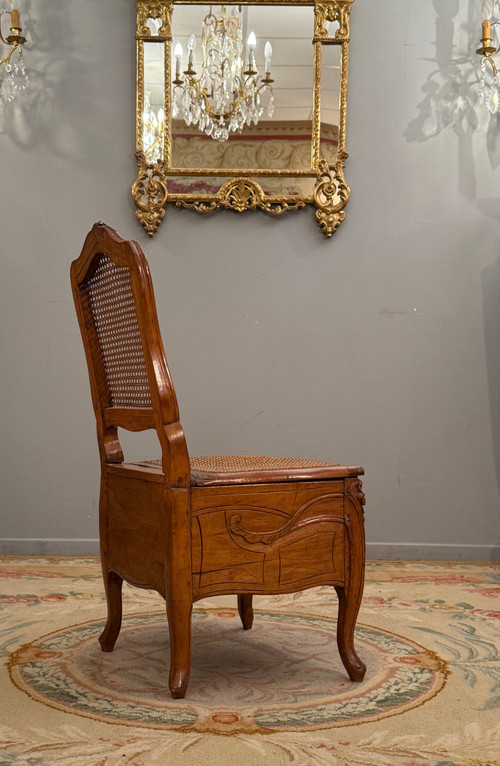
[
  {"x": 276, "y": 130},
  {"x": 153, "y": 115},
  {"x": 271, "y": 186},
  {"x": 330, "y": 102}
]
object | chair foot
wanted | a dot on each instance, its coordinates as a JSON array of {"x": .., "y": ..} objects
[
  {"x": 245, "y": 610},
  {"x": 178, "y": 686},
  {"x": 113, "y": 587},
  {"x": 348, "y": 611},
  {"x": 356, "y": 669}
]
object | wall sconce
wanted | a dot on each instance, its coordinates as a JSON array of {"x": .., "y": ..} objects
[
  {"x": 489, "y": 93},
  {"x": 13, "y": 76}
]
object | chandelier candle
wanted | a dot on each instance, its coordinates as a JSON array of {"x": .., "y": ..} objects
[
  {"x": 178, "y": 57},
  {"x": 251, "y": 42},
  {"x": 268, "y": 52}
]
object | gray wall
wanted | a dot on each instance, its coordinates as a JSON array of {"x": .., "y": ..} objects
[{"x": 379, "y": 347}]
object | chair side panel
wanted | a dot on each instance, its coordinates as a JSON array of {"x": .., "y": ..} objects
[
  {"x": 133, "y": 531},
  {"x": 268, "y": 538}
]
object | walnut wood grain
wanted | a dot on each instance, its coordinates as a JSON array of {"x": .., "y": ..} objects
[{"x": 278, "y": 527}]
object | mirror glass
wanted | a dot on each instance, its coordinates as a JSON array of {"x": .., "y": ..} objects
[
  {"x": 281, "y": 136},
  {"x": 153, "y": 114},
  {"x": 330, "y": 102}
]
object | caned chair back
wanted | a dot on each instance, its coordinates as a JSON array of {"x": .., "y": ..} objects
[{"x": 129, "y": 377}]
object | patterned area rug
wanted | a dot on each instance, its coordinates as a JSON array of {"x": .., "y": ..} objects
[{"x": 277, "y": 694}]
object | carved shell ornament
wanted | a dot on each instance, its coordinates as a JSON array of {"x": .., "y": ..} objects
[{"x": 289, "y": 168}]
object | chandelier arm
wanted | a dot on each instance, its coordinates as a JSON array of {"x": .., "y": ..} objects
[
  {"x": 203, "y": 94},
  {"x": 263, "y": 86},
  {"x": 208, "y": 19},
  {"x": 232, "y": 27}
]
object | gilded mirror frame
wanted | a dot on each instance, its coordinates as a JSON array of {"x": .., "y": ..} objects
[{"x": 242, "y": 191}]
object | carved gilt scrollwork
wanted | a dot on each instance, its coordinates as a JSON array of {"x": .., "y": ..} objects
[
  {"x": 241, "y": 194},
  {"x": 244, "y": 194},
  {"x": 331, "y": 195},
  {"x": 335, "y": 10},
  {"x": 154, "y": 9},
  {"x": 149, "y": 191}
]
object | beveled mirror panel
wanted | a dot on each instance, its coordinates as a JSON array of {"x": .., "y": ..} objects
[{"x": 241, "y": 106}]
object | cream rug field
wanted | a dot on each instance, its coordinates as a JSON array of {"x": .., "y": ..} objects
[{"x": 278, "y": 694}]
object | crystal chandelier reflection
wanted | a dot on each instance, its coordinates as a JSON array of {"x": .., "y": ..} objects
[
  {"x": 229, "y": 93},
  {"x": 489, "y": 89},
  {"x": 153, "y": 125},
  {"x": 13, "y": 78}
]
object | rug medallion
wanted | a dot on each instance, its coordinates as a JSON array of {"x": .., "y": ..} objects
[{"x": 284, "y": 674}]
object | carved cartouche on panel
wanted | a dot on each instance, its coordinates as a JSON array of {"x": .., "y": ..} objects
[{"x": 242, "y": 123}]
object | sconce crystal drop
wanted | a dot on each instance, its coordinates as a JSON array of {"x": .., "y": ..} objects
[
  {"x": 489, "y": 88},
  {"x": 13, "y": 76},
  {"x": 15, "y": 80},
  {"x": 489, "y": 94}
]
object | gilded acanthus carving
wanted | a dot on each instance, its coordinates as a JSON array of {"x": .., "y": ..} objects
[
  {"x": 242, "y": 194},
  {"x": 149, "y": 191},
  {"x": 154, "y": 9},
  {"x": 335, "y": 10},
  {"x": 331, "y": 195}
]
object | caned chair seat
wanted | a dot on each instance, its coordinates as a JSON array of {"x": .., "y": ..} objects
[
  {"x": 196, "y": 527},
  {"x": 216, "y": 470}
]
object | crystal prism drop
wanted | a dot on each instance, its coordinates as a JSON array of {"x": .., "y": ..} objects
[
  {"x": 8, "y": 88},
  {"x": 493, "y": 100}
]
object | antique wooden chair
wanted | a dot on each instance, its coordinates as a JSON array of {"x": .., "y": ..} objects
[{"x": 196, "y": 527}]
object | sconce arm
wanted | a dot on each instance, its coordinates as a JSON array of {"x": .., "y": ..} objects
[
  {"x": 2, "y": 38},
  {"x": 488, "y": 57},
  {"x": 6, "y": 60}
]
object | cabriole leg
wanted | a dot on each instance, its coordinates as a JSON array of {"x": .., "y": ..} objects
[
  {"x": 245, "y": 609},
  {"x": 179, "y": 625},
  {"x": 349, "y": 604},
  {"x": 113, "y": 587}
]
